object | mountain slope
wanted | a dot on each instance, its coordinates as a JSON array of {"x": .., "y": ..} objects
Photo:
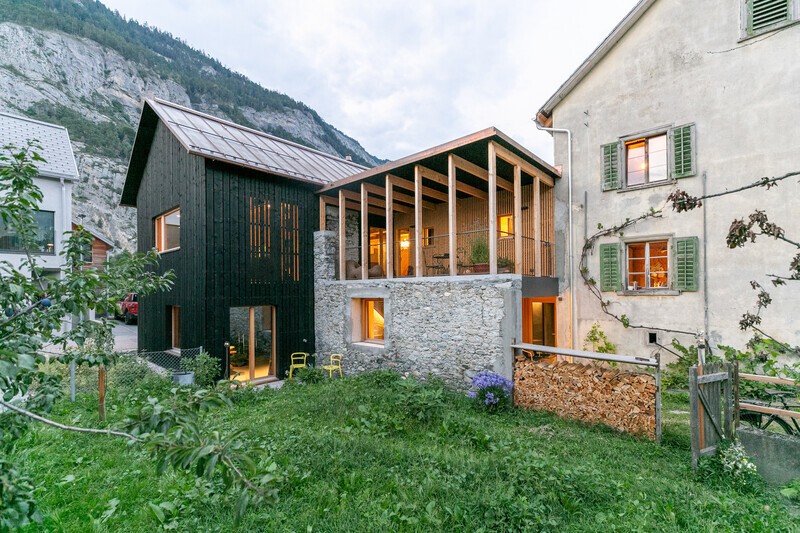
[{"x": 78, "y": 64}]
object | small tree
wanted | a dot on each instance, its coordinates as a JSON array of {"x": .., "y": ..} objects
[{"x": 32, "y": 312}]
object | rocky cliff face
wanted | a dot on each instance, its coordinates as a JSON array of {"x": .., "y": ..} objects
[{"x": 97, "y": 93}]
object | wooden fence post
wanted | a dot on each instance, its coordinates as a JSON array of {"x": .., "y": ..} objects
[
  {"x": 728, "y": 403},
  {"x": 695, "y": 416},
  {"x": 658, "y": 398},
  {"x": 101, "y": 386}
]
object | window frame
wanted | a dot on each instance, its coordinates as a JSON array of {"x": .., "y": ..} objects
[
  {"x": 745, "y": 31},
  {"x": 427, "y": 236},
  {"x": 505, "y": 234},
  {"x": 365, "y": 337},
  {"x": 645, "y": 136},
  {"x": 627, "y": 287},
  {"x": 37, "y": 251},
  {"x": 159, "y": 231}
]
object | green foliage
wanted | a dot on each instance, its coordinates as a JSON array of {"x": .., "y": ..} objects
[
  {"x": 792, "y": 491},
  {"x": 730, "y": 466},
  {"x": 310, "y": 375},
  {"x": 764, "y": 356},
  {"x": 166, "y": 57},
  {"x": 206, "y": 369},
  {"x": 465, "y": 471},
  {"x": 423, "y": 402},
  {"x": 169, "y": 428},
  {"x": 676, "y": 375},
  {"x": 17, "y": 505},
  {"x": 597, "y": 340},
  {"x": 112, "y": 138},
  {"x": 479, "y": 251}
]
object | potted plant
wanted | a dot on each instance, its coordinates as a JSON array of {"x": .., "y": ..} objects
[
  {"x": 479, "y": 254},
  {"x": 505, "y": 265}
]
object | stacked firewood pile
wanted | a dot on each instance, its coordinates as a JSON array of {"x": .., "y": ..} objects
[{"x": 591, "y": 393}]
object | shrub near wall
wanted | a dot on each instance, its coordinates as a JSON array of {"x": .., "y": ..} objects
[{"x": 623, "y": 400}]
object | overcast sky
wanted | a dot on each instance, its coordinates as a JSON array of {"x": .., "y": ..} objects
[{"x": 399, "y": 76}]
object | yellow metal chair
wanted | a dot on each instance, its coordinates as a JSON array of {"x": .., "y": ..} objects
[
  {"x": 298, "y": 361},
  {"x": 336, "y": 364}
]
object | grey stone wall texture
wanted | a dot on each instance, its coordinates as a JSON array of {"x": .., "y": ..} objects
[{"x": 449, "y": 327}]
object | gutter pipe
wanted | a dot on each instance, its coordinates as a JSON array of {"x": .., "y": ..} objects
[{"x": 572, "y": 310}]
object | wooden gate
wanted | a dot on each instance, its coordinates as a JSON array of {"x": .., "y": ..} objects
[{"x": 711, "y": 407}]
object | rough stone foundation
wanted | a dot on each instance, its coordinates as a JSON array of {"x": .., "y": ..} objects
[{"x": 449, "y": 327}]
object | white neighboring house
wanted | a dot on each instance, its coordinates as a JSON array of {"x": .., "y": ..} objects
[
  {"x": 56, "y": 178},
  {"x": 700, "y": 96}
]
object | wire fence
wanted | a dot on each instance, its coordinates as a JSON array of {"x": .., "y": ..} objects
[{"x": 130, "y": 370}]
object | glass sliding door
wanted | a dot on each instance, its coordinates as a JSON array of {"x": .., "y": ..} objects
[{"x": 253, "y": 342}]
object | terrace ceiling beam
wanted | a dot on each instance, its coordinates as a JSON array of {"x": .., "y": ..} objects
[
  {"x": 407, "y": 198},
  {"x": 354, "y": 196},
  {"x": 426, "y": 191},
  {"x": 510, "y": 157},
  {"x": 353, "y": 206},
  {"x": 441, "y": 179},
  {"x": 479, "y": 172}
]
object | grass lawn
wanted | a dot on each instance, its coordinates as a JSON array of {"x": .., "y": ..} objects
[{"x": 361, "y": 459}]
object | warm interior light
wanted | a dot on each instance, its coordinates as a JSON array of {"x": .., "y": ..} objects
[{"x": 404, "y": 244}]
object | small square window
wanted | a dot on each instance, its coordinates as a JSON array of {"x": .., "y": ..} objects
[
  {"x": 168, "y": 231},
  {"x": 646, "y": 160},
  {"x": 505, "y": 226}
]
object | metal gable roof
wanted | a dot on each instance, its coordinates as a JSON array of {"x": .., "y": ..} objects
[
  {"x": 54, "y": 140},
  {"x": 219, "y": 139}
]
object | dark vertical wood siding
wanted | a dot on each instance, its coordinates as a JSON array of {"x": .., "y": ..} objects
[
  {"x": 241, "y": 272},
  {"x": 173, "y": 178}
]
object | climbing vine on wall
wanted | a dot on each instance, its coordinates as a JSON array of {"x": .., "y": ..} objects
[{"x": 741, "y": 232}]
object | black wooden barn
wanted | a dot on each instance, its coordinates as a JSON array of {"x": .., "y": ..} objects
[{"x": 232, "y": 211}]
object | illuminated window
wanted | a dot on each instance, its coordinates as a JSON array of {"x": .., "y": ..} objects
[
  {"x": 427, "y": 236},
  {"x": 372, "y": 320},
  {"x": 168, "y": 231},
  {"x": 648, "y": 265},
  {"x": 377, "y": 247},
  {"x": 505, "y": 226},
  {"x": 646, "y": 160},
  {"x": 174, "y": 326}
]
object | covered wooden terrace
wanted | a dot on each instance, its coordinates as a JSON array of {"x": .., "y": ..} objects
[{"x": 478, "y": 204}]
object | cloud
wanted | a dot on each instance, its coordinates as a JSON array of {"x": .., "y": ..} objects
[{"x": 399, "y": 76}]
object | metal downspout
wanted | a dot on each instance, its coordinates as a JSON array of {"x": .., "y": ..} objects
[{"x": 572, "y": 309}]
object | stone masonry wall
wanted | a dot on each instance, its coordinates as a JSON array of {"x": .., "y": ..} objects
[{"x": 449, "y": 327}]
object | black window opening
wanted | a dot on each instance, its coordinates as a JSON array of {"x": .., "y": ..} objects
[{"x": 42, "y": 241}]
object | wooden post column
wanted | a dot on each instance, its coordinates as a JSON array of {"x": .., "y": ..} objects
[
  {"x": 342, "y": 235},
  {"x": 492, "y": 210},
  {"x": 417, "y": 221},
  {"x": 537, "y": 227},
  {"x": 364, "y": 232},
  {"x": 451, "y": 213},
  {"x": 517, "y": 220},
  {"x": 389, "y": 228},
  {"x": 322, "y": 214}
]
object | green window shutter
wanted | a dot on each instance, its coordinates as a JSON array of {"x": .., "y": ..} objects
[
  {"x": 683, "y": 151},
  {"x": 687, "y": 263},
  {"x": 610, "y": 167},
  {"x": 761, "y": 14},
  {"x": 609, "y": 268}
]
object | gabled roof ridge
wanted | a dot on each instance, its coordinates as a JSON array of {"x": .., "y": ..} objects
[
  {"x": 595, "y": 57},
  {"x": 240, "y": 127},
  {"x": 33, "y": 120}
]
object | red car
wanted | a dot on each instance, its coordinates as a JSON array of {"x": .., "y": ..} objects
[{"x": 128, "y": 309}]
